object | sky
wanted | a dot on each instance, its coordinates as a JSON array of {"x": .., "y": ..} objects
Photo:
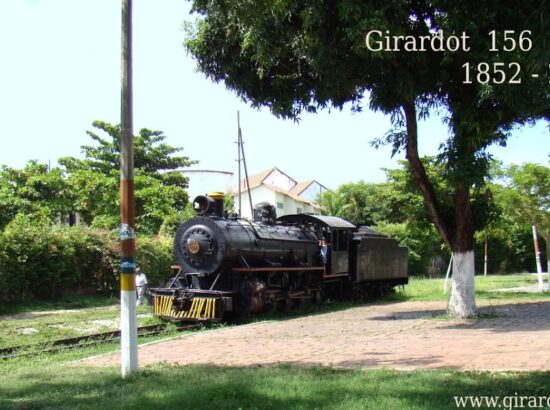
[{"x": 60, "y": 71}]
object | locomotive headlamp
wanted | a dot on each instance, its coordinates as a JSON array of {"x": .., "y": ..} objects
[{"x": 193, "y": 246}]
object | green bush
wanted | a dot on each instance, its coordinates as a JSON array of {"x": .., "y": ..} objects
[
  {"x": 41, "y": 260},
  {"x": 38, "y": 260},
  {"x": 154, "y": 255}
]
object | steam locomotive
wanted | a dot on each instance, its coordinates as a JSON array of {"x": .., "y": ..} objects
[{"x": 230, "y": 267}]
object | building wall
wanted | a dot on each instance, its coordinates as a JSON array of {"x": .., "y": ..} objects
[
  {"x": 290, "y": 205},
  {"x": 284, "y": 205},
  {"x": 259, "y": 194},
  {"x": 280, "y": 180},
  {"x": 312, "y": 192}
]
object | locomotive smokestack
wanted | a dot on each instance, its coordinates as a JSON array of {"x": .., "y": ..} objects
[
  {"x": 211, "y": 204},
  {"x": 218, "y": 199}
]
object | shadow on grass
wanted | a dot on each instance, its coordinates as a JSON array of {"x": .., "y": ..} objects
[{"x": 208, "y": 387}]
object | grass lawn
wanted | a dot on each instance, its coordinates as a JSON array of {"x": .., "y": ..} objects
[
  {"x": 46, "y": 381},
  {"x": 38, "y": 327},
  {"x": 205, "y": 387},
  {"x": 432, "y": 289}
]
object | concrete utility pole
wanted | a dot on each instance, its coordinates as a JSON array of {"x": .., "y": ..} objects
[
  {"x": 485, "y": 259},
  {"x": 128, "y": 320},
  {"x": 537, "y": 258}
]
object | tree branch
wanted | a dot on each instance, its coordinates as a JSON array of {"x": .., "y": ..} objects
[{"x": 419, "y": 173}]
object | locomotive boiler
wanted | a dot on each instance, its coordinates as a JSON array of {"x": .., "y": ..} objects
[{"x": 230, "y": 267}]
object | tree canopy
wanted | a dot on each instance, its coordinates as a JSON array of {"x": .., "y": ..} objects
[
  {"x": 34, "y": 190},
  {"x": 295, "y": 56},
  {"x": 90, "y": 186},
  {"x": 152, "y": 156},
  {"x": 528, "y": 196},
  {"x": 159, "y": 186}
]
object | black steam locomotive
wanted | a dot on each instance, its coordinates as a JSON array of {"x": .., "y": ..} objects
[{"x": 231, "y": 267}]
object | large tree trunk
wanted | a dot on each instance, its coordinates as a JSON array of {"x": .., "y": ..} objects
[
  {"x": 457, "y": 234},
  {"x": 462, "y": 302}
]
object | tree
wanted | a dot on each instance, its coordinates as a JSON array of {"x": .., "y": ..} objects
[
  {"x": 356, "y": 202},
  {"x": 160, "y": 189},
  {"x": 394, "y": 208},
  {"x": 526, "y": 197},
  {"x": 35, "y": 191},
  {"x": 295, "y": 56},
  {"x": 151, "y": 155}
]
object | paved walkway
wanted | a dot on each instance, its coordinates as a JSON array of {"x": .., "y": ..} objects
[{"x": 402, "y": 335}]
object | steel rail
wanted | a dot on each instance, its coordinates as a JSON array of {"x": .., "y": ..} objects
[{"x": 82, "y": 341}]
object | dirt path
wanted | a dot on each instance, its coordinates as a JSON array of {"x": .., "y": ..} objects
[{"x": 404, "y": 335}]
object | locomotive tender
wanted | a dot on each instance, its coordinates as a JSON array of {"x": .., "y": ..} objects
[{"x": 231, "y": 267}]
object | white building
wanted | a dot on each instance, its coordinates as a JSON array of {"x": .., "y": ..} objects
[{"x": 277, "y": 188}]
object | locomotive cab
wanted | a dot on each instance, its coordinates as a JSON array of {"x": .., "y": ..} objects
[
  {"x": 339, "y": 242},
  {"x": 335, "y": 232}
]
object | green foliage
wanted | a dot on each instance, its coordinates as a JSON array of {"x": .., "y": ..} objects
[
  {"x": 160, "y": 386},
  {"x": 159, "y": 189},
  {"x": 229, "y": 203},
  {"x": 154, "y": 255},
  {"x": 394, "y": 208},
  {"x": 295, "y": 56},
  {"x": 151, "y": 155},
  {"x": 407, "y": 200},
  {"x": 39, "y": 257},
  {"x": 527, "y": 197},
  {"x": 522, "y": 194},
  {"x": 357, "y": 202},
  {"x": 34, "y": 191},
  {"x": 45, "y": 261},
  {"x": 96, "y": 197},
  {"x": 174, "y": 220},
  {"x": 40, "y": 260},
  {"x": 509, "y": 248},
  {"x": 405, "y": 196}
]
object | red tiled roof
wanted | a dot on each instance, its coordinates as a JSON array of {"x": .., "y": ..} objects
[{"x": 301, "y": 187}]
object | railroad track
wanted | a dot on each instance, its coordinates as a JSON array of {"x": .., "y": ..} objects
[{"x": 82, "y": 341}]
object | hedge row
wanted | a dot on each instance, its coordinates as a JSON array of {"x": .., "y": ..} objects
[{"x": 44, "y": 261}]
